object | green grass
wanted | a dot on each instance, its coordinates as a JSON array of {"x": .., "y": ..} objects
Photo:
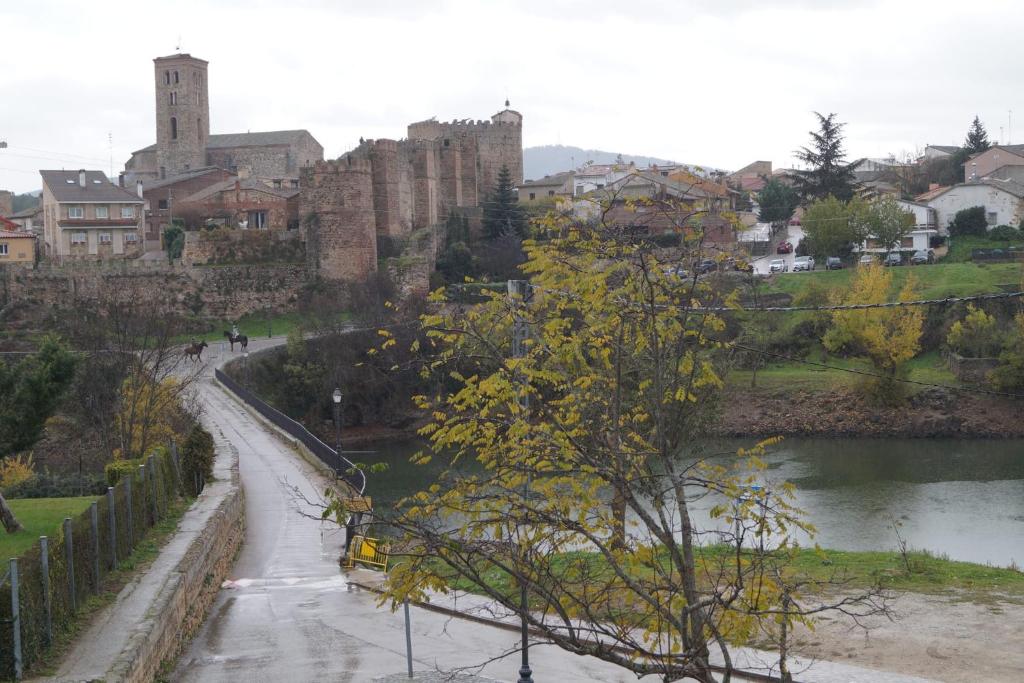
[
  {"x": 927, "y": 573},
  {"x": 934, "y": 281},
  {"x": 928, "y": 367},
  {"x": 40, "y": 517},
  {"x": 960, "y": 247},
  {"x": 258, "y": 325}
]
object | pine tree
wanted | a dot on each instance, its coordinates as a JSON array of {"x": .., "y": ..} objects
[
  {"x": 828, "y": 173},
  {"x": 502, "y": 213},
  {"x": 977, "y": 138}
]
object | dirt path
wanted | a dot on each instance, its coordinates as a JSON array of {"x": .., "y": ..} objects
[{"x": 933, "y": 636}]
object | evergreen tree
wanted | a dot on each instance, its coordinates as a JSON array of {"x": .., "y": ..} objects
[
  {"x": 502, "y": 213},
  {"x": 977, "y": 138},
  {"x": 777, "y": 202},
  {"x": 828, "y": 173}
]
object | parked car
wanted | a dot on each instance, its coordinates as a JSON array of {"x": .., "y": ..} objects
[
  {"x": 676, "y": 271},
  {"x": 794, "y": 221},
  {"x": 785, "y": 247},
  {"x": 777, "y": 265},
  {"x": 833, "y": 263},
  {"x": 893, "y": 258},
  {"x": 922, "y": 256},
  {"x": 706, "y": 266},
  {"x": 866, "y": 260},
  {"x": 803, "y": 263}
]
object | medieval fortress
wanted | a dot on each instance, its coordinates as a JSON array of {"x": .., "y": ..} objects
[{"x": 382, "y": 188}]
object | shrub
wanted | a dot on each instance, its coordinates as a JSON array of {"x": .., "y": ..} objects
[
  {"x": 1009, "y": 375},
  {"x": 976, "y": 336},
  {"x": 15, "y": 470},
  {"x": 1004, "y": 233},
  {"x": 969, "y": 222},
  {"x": 197, "y": 459},
  {"x": 666, "y": 239},
  {"x": 53, "y": 485},
  {"x": 117, "y": 469}
]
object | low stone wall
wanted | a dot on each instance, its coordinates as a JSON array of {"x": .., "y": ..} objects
[
  {"x": 971, "y": 370},
  {"x": 182, "y": 603}
]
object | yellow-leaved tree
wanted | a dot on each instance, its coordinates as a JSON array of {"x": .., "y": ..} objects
[
  {"x": 581, "y": 396},
  {"x": 887, "y": 336}
]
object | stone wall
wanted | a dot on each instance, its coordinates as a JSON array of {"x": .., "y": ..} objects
[
  {"x": 336, "y": 206},
  {"x": 179, "y": 608},
  {"x": 221, "y": 292},
  {"x": 223, "y": 246},
  {"x": 6, "y": 203}
]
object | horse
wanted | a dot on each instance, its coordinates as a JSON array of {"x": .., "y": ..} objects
[
  {"x": 240, "y": 338},
  {"x": 194, "y": 351}
]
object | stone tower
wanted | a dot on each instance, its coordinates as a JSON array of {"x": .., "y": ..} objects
[
  {"x": 336, "y": 203},
  {"x": 182, "y": 113}
]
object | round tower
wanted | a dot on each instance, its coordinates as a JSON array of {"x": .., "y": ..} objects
[{"x": 182, "y": 113}]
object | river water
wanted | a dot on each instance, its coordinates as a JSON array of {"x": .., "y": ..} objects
[{"x": 960, "y": 498}]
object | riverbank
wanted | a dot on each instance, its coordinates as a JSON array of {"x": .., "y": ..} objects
[{"x": 841, "y": 412}]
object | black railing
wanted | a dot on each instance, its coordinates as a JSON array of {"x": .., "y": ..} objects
[{"x": 342, "y": 466}]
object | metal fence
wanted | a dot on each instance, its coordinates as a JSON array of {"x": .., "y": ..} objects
[
  {"x": 342, "y": 466},
  {"x": 46, "y": 585},
  {"x": 998, "y": 254}
]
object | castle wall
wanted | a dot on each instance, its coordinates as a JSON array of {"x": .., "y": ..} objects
[
  {"x": 383, "y": 156},
  {"x": 425, "y": 184},
  {"x": 336, "y": 203},
  {"x": 450, "y": 156}
]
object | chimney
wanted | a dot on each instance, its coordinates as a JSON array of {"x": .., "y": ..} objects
[
  {"x": 138, "y": 188},
  {"x": 81, "y": 178},
  {"x": 120, "y": 179},
  {"x": 238, "y": 192}
]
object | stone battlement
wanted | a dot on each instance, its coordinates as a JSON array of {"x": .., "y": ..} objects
[{"x": 345, "y": 164}]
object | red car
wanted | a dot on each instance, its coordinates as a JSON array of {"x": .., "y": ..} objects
[
  {"x": 794, "y": 221},
  {"x": 784, "y": 248}
]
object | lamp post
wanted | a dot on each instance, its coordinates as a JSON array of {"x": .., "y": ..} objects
[
  {"x": 336, "y": 396},
  {"x": 245, "y": 368}
]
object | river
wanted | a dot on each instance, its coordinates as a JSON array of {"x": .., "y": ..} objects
[{"x": 960, "y": 498}]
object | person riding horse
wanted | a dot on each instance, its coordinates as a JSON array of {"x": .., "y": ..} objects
[{"x": 233, "y": 336}]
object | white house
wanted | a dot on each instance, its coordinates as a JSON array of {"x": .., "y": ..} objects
[
  {"x": 597, "y": 176},
  {"x": 924, "y": 215},
  {"x": 918, "y": 239},
  {"x": 1002, "y": 200}
]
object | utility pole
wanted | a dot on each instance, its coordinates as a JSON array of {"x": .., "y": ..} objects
[{"x": 519, "y": 293}]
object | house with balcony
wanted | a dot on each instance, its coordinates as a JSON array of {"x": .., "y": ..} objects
[{"x": 87, "y": 217}]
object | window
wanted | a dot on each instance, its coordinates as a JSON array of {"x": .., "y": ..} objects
[
  {"x": 162, "y": 205},
  {"x": 533, "y": 195},
  {"x": 102, "y": 212},
  {"x": 127, "y": 212},
  {"x": 257, "y": 220},
  {"x": 174, "y": 98},
  {"x": 551, "y": 193},
  {"x": 104, "y": 238},
  {"x": 277, "y": 183},
  {"x": 3, "y": 249},
  {"x": 78, "y": 238},
  {"x": 175, "y": 77},
  {"x": 76, "y": 212},
  {"x": 199, "y": 129},
  {"x": 295, "y": 182},
  {"x": 993, "y": 217},
  {"x": 167, "y": 78},
  {"x": 131, "y": 237},
  {"x": 174, "y": 128}
]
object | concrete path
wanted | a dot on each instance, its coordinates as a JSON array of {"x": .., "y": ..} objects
[{"x": 290, "y": 615}]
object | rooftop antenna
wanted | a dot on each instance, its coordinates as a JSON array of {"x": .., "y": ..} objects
[{"x": 177, "y": 48}]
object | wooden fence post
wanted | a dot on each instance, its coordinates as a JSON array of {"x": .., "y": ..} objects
[
  {"x": 94, "y": 526},
  {"x": 152, "y": 479},
  {"x": 129, "y": 521},
  {"x": 16, "y": 619},
  {"x": 175, "y": 458},
  {"x": 142, "y": 495},
  {"x": 44, "y": 560},
  {"x": 113, "y": 527},
  {"x": 69, "y": 555}
]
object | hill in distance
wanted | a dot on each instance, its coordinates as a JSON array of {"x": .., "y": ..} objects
[{"x": 547, "y": 159}]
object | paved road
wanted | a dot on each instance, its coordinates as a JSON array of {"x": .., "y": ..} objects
[
  {"x": 290, "y": 615},
  {"x": 794, "y": 234}
]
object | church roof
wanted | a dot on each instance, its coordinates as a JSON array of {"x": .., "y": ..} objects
[{"x": 258, "y": 139}]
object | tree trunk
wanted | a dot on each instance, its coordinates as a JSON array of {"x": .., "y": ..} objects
[{"x": 7, "y": 517}]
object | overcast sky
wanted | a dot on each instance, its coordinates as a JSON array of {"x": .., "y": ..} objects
[{"x": 720, "y": 83}]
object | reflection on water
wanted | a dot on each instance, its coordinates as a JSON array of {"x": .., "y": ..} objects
[{"x": 964, "y": 498}]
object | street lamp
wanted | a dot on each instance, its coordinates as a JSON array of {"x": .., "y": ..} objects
[
  {"x": 337, "y": 419},
  {"x": 245, "y": 367}
]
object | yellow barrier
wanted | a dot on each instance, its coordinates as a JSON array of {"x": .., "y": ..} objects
[{"x": 368, "y": 551}]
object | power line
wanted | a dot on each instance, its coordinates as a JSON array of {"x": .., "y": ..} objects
[{"x": 964, "y": 389}]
